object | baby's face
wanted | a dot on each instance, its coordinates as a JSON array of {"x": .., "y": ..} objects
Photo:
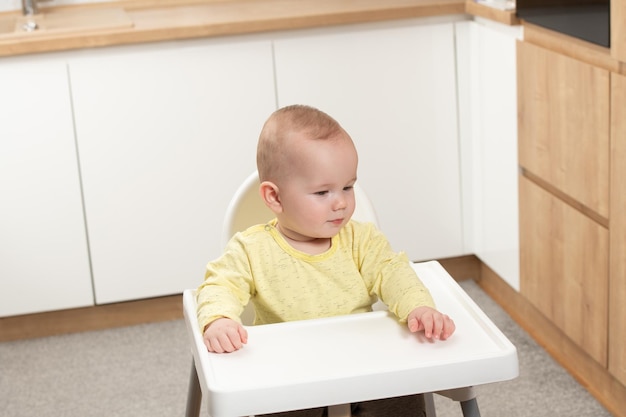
[{"x": 318, "y": 198}]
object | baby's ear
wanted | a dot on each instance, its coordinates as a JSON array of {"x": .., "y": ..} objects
[{"x": 269, "y": 194}]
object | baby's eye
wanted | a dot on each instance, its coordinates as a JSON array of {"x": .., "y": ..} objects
[
  {"x": 320, "y": 192},
  {"x": 348, "y": 188}
]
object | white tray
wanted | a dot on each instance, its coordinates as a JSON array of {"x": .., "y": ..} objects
[{"x": 353, "y": 358}]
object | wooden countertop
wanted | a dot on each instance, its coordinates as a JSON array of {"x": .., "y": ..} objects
[
  {"x": 507, "y": 17},
  {"x": 151, "y": 21}
]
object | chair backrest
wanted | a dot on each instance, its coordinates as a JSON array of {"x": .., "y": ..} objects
[{"x": 246, "y": 208}]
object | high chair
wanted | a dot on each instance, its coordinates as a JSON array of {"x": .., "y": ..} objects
[{"x": 247, "y": 208}]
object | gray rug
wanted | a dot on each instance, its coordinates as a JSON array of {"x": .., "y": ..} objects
[{"x": 143, "y": 371}]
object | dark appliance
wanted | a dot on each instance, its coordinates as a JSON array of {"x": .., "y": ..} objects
[{"x": 584, "y": 19}]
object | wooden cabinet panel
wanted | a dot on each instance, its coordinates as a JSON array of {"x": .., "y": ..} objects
[
  {"x": 564, "y": 267},
  {"x": 564, "y": 124},
  {"x": 617, "y": 306}
]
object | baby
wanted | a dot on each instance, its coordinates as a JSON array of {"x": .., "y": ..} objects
[{"x": 312, "y": 260}]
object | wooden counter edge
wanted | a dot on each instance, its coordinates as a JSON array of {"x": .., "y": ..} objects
[
  {"x": 506, "y": 17},
  {"x": 300, "y": 17}
]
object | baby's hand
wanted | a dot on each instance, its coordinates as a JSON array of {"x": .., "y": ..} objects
[
  {"x": 224, "y": 336},
  {"x": 434, "y": 324}
]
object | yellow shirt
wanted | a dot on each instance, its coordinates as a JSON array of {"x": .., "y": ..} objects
[{"x": 285, "y": 284}]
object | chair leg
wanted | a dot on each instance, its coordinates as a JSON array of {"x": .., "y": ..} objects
[
  {"x": 194, "y": 394},
  {"x": 340, "y": 410},
  {"x": 470, "y": 408},
  {"x": 429, "y": 404},
  {"x": 459, "y": 394}
]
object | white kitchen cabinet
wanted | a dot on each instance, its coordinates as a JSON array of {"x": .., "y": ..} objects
[
  {"x": 392, "y": 86},
  {"x": 165, "y": 135},
  {"x": 44, "y": 261},
  {"x": 486, "y": 62},
  {"x": 166, "y": 132}
]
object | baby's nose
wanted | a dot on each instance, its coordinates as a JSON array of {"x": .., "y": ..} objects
[{"x": 340, "y": 202}]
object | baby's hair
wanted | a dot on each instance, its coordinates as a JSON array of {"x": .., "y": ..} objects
[{"x": 285, "y": 126}]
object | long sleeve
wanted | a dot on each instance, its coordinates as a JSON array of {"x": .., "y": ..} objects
[
  {"x": 389, "y": 274},
  {"x": 227, "y": 286}
]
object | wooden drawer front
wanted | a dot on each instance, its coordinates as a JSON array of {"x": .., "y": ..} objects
[
  {"x": 564, "y": 263},
  {"x": 617, "y": 302},
  {"x": 564, "y": 124}
]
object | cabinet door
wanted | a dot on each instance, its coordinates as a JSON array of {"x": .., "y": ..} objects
[
  {"x": 564, "y": 267},
  {"x": 617, "y": 301},
  {"x": 564, "y": 124},
  {"x": 486, "y": 66},
  {"x": 165, "y": 134},
  {"x": 44, "y": 263},
  {"x": 393, "y": 89}
]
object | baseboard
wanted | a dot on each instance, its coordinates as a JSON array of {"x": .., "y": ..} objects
[
  {"x": 595, "y": 378},
  {"x": 91, "y": 318},
  {"x": 462, "y": 267}
]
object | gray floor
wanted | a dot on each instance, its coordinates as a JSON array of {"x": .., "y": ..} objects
[{"x": 143, "y": 371}]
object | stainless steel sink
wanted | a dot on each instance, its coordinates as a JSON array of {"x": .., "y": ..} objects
[{"x": 64, "y": 21}]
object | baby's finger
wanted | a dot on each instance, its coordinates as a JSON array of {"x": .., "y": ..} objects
[
  {"x": 437, "y": 326},
  {"x": 214, "y": 345},
  {"x": 427, "y": 324},
  {"x": 229, "y": 344},
  {"x": 449, "y": 327},
  {"x": 243, "y": 334},
  {"x": 232, "y": 339}
]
